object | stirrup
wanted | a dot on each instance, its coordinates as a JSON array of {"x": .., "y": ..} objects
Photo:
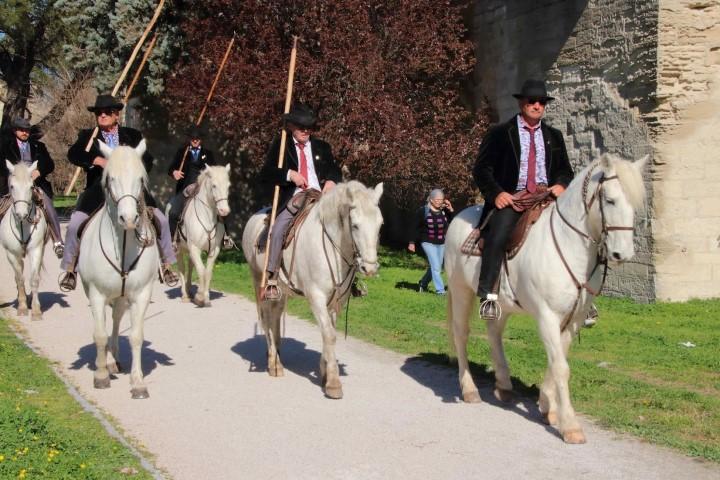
[
  {"x": 228, "y": 242},
  {"x": 68, "y": 282},
  {"x": 272, "y": 292},
  {"x": 59, "y": 249},
  {"x": 168, "y": 276},
  {"x": 490, "y": 308},
  {"x": 592, "y": 317}
]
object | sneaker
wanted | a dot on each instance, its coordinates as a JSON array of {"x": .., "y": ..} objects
[
  {"x": 442, "y": 294},
  {"x": 59, "y": 249},
  {"x": 592, "y": 317},
  {"x": 68, "y": 282}
]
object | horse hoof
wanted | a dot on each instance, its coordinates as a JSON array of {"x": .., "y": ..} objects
[
  {"x": 276, "y": 371},
  {"x": 574, "y": 437},
  {"x": 207, "y": 303},
  {"x": 22, "y": 311},
  {"x": 36, "y": 317},
  {"x": 472, "y": 397},
  {"x": 503, "y": 395},
  {"x": 139, "y": 393},
  {"x": 186, "y": 299},
  {"x": 114, "y": 368},
  {"x": 200, "y": 303},
  {"x": 551, "y": 418},
  {"x": 101, "y": 382},
  {"x": 335, "y": 393}
]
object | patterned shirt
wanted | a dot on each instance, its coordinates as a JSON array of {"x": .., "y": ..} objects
[
  {"x": 25, "y": 154},
  {"x": 111, "y": 138},
  {"x": 540, "y": 173}
]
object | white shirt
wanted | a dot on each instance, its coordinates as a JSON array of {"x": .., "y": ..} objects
[
  {"x": 312, "y": 179},
  {"x": 540, "y": 173}
]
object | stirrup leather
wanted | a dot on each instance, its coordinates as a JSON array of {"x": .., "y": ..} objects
[{"x": 490, "y": 308}]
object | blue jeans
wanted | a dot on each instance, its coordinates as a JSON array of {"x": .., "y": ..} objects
[{"x": 434, "y": 255}]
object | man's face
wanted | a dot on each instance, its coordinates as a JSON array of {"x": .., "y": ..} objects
[
  {"x": 195, "y": 142},
  {"x": 107, "y": 118},
  {"x": 532, "y": 108},
  {"x": 300, "y": 134},
  {"x": 22, "y": 134}
]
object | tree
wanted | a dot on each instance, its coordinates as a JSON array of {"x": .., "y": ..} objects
[
  {"x": 384, "y": 76},
  {"x": 31, "y": 36}
]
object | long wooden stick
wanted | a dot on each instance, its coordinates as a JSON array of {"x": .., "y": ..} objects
[
  {"x": 210, "y": 94},
  {"x": 281, "y": 158},
  {"x": 124, "y": 73},
  {"x": 140, "y": 68}
]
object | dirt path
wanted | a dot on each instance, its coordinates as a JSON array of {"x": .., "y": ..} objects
[{"x": 214, "y": 413}]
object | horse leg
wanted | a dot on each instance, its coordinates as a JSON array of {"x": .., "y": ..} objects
[
  {"x": 18, "y": 265},
  {"x": 271, "y": 314},
  {"x": 548, "y": 392},
  {"x": 503, "y": 384},
  {"x": 207, "y": 277},
  {"x": 119, "y": 308},
  {"x": 196, "y": 257},
  {"x": 329, "y": 370},
  {"x": 185, "y": 275},
  {"x": 460, "y": 305},
  {"x": 556, "y": 344},
  {"x": 36, "y": 257},
  {"x": 97, "y": 307},
  {"x": 137, "y": 319}
]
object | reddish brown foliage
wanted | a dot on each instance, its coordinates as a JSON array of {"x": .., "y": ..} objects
[{"x": 384, "y": 77}]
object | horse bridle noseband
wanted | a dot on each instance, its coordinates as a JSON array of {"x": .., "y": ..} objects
[{"x": 34, "y": 222}]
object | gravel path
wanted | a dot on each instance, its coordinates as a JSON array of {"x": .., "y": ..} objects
[{"x": 213, "y": 412}]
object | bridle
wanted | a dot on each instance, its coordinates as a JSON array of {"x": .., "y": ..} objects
[
  {"x": 32, "y": 217},
  {"x": 601, "y": 259},
  {"x": 210, "y": 232}
]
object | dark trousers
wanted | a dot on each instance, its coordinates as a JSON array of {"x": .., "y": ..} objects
[
  {"x": 495, "y": 236},
  {"x": 177, "y": 203}
]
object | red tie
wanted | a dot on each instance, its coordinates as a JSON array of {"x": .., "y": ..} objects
[
  {"x": 303, "y": 161},
  {"x": 531, "y": 186}
]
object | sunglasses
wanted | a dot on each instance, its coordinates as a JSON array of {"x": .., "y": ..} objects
[
  {"x": 107, "y": 112},
  {"x": 534, "y": 100}
]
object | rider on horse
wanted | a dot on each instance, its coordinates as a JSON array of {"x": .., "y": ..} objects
[
  {"x": 188, "y": 163},
  {"x": 516, "y": 158},
  {"x": 308, "y": 165},
  {"x": 106, "y": 110},
  {"x": 22, "y": 147}
]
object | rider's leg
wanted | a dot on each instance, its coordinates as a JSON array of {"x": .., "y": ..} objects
[
  {"x": 177, "y": 202},
  {"x": 54, "y": 223},
  {"x": 280, "y": 227},
  {"x": 165, "y": 241},
  {"x": 499, "y": 229},
  {"x": 69, "y": 260}
]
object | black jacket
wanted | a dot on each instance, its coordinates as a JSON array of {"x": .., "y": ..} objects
[
  {"x": 419, "y": 230},
  {"x": 271, "y": 175},
  {"x": 497, "y": 167},
  {"x": 38, "y": 151},
  {"x": 191, "y": 169},
  {"x": 93, "y": 197}
]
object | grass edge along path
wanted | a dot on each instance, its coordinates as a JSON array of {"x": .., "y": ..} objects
[
  {"x": 48, "y": 430},
  {"x": 632, "y": 373}
]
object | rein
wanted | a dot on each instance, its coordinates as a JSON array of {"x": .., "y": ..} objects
[
  {"x": 210, "y": 232},
  {"x": 35, "y": 214}
]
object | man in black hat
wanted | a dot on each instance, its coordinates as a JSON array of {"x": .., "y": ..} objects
[
  {"x": 308, "y": 164},
  {"x": 107, "y": 114},
  {"x": 521, "y": 156},
  {"x": 22, "y": 147}
]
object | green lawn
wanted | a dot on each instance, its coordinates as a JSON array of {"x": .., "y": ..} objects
[
  {"x": 44, "y": 433},
  {"x": 629, "y": 373}
]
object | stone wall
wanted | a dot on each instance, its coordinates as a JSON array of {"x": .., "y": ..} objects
[
  {"x": 686, "y": 133},
  {"x": 599, "y": 58}
]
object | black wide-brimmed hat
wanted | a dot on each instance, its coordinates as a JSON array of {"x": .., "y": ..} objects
[
  {"x": 534, "y": 89},
  {"x": 20, "y": 122},
  {"x": 301, "y": 115},
  {"x": 195, "y": 131},
  {"x": 105, "y": 102}
]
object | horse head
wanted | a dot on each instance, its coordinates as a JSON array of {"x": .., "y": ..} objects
[
  {"x": 617, "y": 192},
  {"x": 123, "y": 180},
  {"x": 365, "y": 220},
  {"x": 21, "y": 185},
  {"x": 216, "y": 182}
]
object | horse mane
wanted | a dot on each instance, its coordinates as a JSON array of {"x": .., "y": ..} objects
[
  {"x": 630, "y": 179},
  {"x": 124, "y": 159},
  {"x": 331, "y": 202}
]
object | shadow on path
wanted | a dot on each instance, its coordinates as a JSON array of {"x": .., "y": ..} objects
[
  {"x": 47, "y": 301},
  {"x": 150, "y": 357},
  {"x": 173, "y": 293},
  {"x": 432, "y": 370},
  {"x": 294, "y": 356}
]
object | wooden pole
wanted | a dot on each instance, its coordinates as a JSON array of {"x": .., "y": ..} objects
[
  {"x": 140, "y": 68},
  {"x": 281, "y": 158},
  {"x": 124, "y": 73},
  {"x": 210, "y": 94}
]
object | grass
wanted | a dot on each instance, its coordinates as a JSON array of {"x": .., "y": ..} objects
[
  {"x": 44, "y": 433},
  {"x": 630, "y": 373}
]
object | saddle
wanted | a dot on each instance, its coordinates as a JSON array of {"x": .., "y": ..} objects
[
  {"x": 530, "y": 204},
  {"x": 300, "y": 206}
]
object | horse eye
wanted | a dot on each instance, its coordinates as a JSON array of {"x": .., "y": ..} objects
[
  {"x": 610, "y": 201},
  {"x": 354, "y": 226}
]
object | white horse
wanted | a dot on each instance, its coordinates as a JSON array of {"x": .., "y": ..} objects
[
  {"x": 554, "y": 278},
  {"x": 23, "y": 232},
  {"x": 339, "y": 237},
  {"x": 118, "y": 262},
  {"x": 202, "y": 230}
]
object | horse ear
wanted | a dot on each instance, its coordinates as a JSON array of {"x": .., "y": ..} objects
[
  {"x": 605, "y": 161},
  {"x": 378, "y": 191},
  {"x": 205, "y": 167},
  {"x": 640, "y": 164},
  {"x": 33, "y": 166},
  {"x": 10, "y": 166},
  {"x": 141, "y": 147},
  {"x": 104, "y": 149},
  {"x": 227, "y": 168}
]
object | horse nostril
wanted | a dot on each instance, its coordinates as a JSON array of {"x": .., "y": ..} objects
[{"x": 616, "y": 256}]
